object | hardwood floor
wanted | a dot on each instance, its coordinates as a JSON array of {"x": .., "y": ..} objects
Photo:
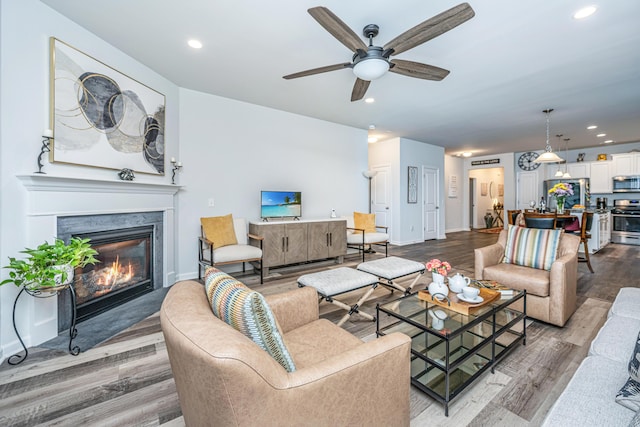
[{"x": 127, "y": 379}]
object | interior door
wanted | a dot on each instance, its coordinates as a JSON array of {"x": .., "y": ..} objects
[
  {"x": 431, "y": 208},
  {"x": 527, "y": 189},
  {"x": 381, "y": 196}
]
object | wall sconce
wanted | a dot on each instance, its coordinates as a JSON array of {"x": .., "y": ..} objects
[
  {"x": 176, "y": 167},
  {"x": 47, "y": 136}
]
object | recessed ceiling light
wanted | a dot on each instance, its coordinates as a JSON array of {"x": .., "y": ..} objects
[
  {"x": 600, "y": 135},
  {"x": 369, "y": 100},
  {"x": 196, "y": 44},
  {"x": 466, "y": 154},
  {"x": 608, "y": 141},
  {"x": 372, "y": 139},
  {"x": 585, "y": 12},
  {"x": 592, "y": 127}
]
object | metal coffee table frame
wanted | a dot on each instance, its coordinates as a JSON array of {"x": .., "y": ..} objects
[{"x": 445, "y": 362}]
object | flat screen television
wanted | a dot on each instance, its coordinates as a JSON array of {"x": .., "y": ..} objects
[{"x": 281, "y": 204}]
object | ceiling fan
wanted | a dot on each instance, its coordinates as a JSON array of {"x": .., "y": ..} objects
[{"x": 371, "y": 62}]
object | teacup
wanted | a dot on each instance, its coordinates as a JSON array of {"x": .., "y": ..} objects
[{"x": 470, "y": 293}]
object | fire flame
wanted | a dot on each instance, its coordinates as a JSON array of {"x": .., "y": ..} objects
[{"x": 115, "y": 274}]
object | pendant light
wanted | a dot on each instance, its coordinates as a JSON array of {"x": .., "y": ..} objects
[
  {"x": 559, "y": 172},
  {"x": 548, "y": 156},
  {"x": 566, "y": 166}
]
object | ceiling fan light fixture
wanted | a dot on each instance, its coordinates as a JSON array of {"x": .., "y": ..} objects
[{"x": 371, "y": 68}]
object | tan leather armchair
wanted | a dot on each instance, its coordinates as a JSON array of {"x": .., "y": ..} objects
[
  {"x": 223, "y": 378},
  {"x": 551, "y": 295}
]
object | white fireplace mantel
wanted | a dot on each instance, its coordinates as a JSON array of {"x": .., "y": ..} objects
[
  {"x": 44, "y": 182},
  {"x": 49, "y": 197}
]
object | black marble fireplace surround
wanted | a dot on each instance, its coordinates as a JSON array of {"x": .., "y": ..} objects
[{"x": 102, "y": 229}]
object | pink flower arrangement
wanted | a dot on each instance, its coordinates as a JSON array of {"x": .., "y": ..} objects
[{"x": 437, "y": 266}]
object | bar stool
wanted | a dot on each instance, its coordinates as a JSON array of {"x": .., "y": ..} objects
[
  {"x": 540, "y": 220},
  {"x": 585, "y": 235}
]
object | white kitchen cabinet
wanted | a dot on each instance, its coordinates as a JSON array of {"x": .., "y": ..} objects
[
  {"x": 604, "y": 223},
  {"x": 579, "y": 169},
  {"x": 601, "y": 177},
  {"x": 626, "y": 164},
  {"x": 600, "y": 232}
]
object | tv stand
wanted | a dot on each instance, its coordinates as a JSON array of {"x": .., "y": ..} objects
[{"x": 298, "y": 241}]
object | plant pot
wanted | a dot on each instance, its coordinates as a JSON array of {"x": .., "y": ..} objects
[{"x": 68, "y": 269}]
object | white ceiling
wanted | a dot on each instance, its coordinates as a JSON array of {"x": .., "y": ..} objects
[{"x": 508, "y": 63}]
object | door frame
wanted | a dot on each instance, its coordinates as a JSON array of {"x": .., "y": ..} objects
[{"x": 437, "y": 199}]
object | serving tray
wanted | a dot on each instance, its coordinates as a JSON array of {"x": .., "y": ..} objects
[{"x": 456, "y": 304}]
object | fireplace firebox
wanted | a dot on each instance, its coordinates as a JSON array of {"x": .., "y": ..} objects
[
  {"x": 130, "y": 251},
  {"x": 122, "y": 273}
]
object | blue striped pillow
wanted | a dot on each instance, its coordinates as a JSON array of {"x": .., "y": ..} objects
[
  {"x": 248, "y": 312},
  {"x": 532, "y": 247}
]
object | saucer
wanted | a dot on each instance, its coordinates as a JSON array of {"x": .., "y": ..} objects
[{"x": 475, "y": 300}]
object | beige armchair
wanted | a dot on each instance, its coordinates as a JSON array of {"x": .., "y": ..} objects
[
  {"x": 551, "y": 295},
  {"x": 223, "y": 378}
]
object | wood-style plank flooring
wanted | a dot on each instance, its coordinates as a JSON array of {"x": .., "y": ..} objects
[{"x": 127, "y": 381}]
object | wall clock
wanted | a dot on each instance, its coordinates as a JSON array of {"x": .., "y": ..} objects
[{"x": 526, "y": 161}]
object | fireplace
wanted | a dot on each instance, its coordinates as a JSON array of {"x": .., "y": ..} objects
[
  {"x": 122, "y": 273},
  {"x": 129, "y": 249}
]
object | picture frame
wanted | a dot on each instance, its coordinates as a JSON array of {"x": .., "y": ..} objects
[
  {"x": 101, "y": 117},
  {"x": 483, "y": 188},
  {"x": 412, "y": 188}
]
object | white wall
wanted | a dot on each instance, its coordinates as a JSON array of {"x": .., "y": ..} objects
[
  {"x": 231, "y": 150},
  {"x": 399, "y": 153},
  {"x": 25, "y": 28},
  {"x": 454, "y": 220}
]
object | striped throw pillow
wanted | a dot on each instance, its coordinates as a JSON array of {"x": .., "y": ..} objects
[
  {"x": 248, "y": 312},
  {"x": 531, "y": 247}
]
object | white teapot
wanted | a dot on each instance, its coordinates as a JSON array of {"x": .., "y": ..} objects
[{"x": 457, "y": 282}]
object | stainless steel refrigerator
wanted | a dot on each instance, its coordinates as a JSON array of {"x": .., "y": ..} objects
[{"x": 581, "y": 194}]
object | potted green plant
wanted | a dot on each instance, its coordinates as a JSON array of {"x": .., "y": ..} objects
[{"x": 50, "y": 266}]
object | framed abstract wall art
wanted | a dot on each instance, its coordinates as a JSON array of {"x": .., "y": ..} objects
[
  {"x": 101, "y": 117},
  {"x": 412, "y": 188}
]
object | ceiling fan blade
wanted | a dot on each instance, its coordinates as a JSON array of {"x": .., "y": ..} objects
[
  {"x": 359, "y": 89},
  {"x": 431, "y": 28},
  {"x": 337, "y": 28},
  {"x": 318, "y": 70},
  {"x": 418, "y": 70}
]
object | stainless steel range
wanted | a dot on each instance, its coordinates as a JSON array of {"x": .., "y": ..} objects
[{"x": 626, "y": 222}]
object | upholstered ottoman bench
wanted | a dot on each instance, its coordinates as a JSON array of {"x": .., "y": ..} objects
[
  {"x": 330, "y": 283},
  {"x": 393, "y": 268}
]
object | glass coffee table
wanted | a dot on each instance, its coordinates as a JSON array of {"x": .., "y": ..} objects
[{"x": 449, "y": 349}]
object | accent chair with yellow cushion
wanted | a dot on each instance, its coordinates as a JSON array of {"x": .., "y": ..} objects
[
  {"x": 224, "y": 240},
  {"x": 542, "y": 262},
  {"x": 230, "y": 371},
  {"x": 362, "y": 232}
]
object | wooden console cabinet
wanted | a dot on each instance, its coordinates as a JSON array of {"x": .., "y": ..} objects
[{"x": 293, "y": 242}]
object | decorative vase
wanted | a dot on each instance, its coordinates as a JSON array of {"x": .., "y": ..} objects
[
  {"x": 560, "y": 205},
  {"x": 437, "y": 278}
]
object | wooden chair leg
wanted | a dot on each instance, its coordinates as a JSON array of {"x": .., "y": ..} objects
[{"x": 586, "y": 255}]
